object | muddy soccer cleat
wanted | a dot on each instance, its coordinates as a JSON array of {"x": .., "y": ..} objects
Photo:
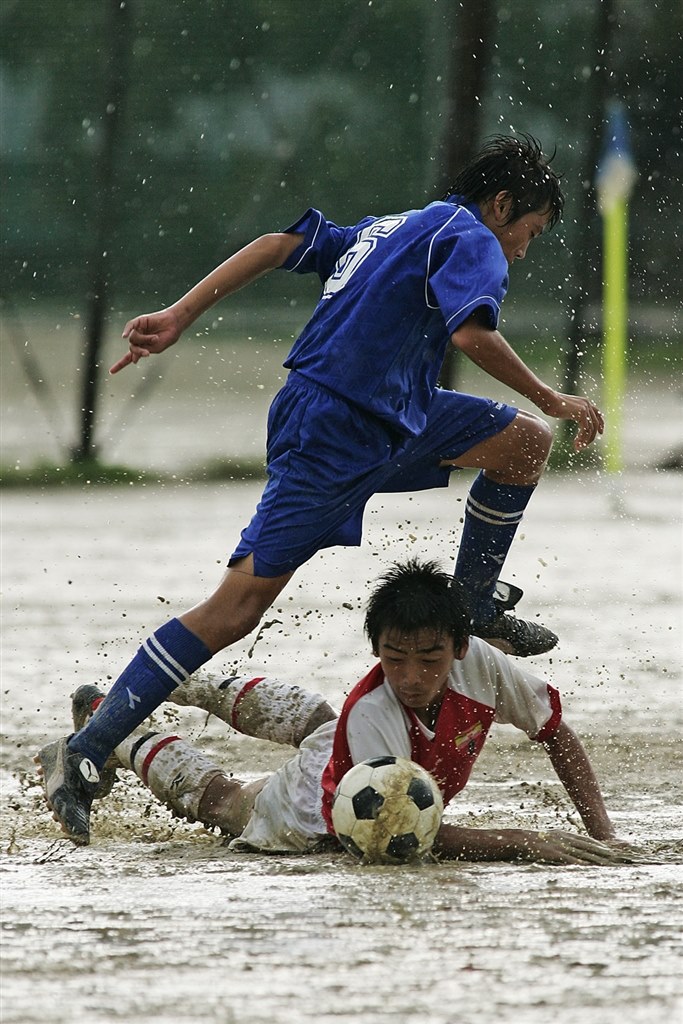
[
  {"x": 84, "y": 702},
  {"x": 70, "y": 781},
  {"x": 510, "y": 634},
  {"x": 516, "y": 636}
]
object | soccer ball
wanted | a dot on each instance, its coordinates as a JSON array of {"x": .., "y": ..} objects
[{"x": 387, "y": 810}]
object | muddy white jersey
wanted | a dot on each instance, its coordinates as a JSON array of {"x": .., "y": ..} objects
[{"x": 484, "y": 687}]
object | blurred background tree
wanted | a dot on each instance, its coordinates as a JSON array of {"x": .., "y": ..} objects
[{"x": 241, "y": 113}]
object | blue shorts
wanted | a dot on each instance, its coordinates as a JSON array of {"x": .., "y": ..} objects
[{"x": 326, "y": 458}]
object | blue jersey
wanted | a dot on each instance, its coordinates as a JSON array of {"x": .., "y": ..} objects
[{"x": 394, "y": 290}]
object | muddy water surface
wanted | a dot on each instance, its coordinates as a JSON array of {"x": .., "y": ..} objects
[{"x": 157, "y": 920}]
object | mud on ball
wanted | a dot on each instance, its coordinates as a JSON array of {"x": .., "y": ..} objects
[{"x": 387, "y": 810}]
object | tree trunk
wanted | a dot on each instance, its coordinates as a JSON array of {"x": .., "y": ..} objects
[
  {"x": 468, "y": 64},
  {"x": 115, "y": 80},
  {"x": 587, "y": 248}
]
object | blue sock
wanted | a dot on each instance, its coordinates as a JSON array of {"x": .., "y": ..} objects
[
  {"x": 492, "y": 515},
  {"x": 164, "y": 661}
]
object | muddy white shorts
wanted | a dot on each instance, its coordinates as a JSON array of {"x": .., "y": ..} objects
[{"x": 287, "y": 815}]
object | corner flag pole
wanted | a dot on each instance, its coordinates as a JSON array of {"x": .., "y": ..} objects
[{"x": 615, "y": 178}]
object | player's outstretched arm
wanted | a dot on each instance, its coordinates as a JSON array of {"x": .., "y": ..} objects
[
  {"x": 573, "y": 767},
  {"x": 490, "y": 351},
  {"x": 518, "y": 844},
  {"x": 574, "y": 770},
  {"x": 153, "y": 333}
]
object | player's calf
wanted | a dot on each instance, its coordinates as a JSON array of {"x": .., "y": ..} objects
[
  {"x": 174, "y": 771},
  {"x": 262, "y": 707},
  {"x": 189, "y": 782}
]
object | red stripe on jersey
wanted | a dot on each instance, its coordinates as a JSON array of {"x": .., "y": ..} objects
[
  {"x": 164, "y": 742},
  {"x": 340, "y": 762},
  {"x": 446, "y": 756},
  {"x": 553, "y": 722},
  {"x": 240, "y": 696}
]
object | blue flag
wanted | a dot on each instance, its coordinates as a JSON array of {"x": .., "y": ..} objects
[{"x": 616, "y": 170}]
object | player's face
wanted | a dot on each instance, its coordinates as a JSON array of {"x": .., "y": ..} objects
[
  {"x": 514, "y": 237},
  {"x": 416, "y": 665}
]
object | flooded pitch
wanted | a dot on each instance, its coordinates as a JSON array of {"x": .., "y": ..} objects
[{"x": 158, "y": 920}]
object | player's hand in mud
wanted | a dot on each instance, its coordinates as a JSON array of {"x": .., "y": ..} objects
[
  {"x": 585, "y": 414},
  {"x": 559, "y": 847},
  {"x": 148, "y": 335},
  {"x": 623, "y": 846}
]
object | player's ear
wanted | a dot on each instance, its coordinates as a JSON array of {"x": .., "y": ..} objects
[
  {"x": 502, "y": 207},
  {"x": 462, "y": 650}
]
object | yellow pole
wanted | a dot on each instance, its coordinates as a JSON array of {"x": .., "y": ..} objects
[{"x": 615, "y": 326}]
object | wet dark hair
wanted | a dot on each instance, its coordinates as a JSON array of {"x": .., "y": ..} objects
[
  {"x": 515, "y": 165},
  {"x": 416, "y": 595}
]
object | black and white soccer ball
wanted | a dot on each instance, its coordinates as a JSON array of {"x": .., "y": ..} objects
[{"x": 387, "y": 810}]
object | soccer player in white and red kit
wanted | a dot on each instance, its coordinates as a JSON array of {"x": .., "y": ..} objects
[{"x": 433, "y": 698}]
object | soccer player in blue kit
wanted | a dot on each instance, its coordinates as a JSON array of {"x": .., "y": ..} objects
[{"x": 359, "y": 414}]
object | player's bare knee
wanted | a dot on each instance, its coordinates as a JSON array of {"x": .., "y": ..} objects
[
  {"x": 323, "y": 713},
  {"x": 215, "y": 799},
  {"x": 543, "y": 436},
  {"x": 227, "y": 803},
  {"x": 534, "y": 444}
]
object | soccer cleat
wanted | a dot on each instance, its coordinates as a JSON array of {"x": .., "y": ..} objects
[
  {"x": 70, "y": 781},
  {"x": 84, "y": 701},
  {"x": 516, "y": 636}
]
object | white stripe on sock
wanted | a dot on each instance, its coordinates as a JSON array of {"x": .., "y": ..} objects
[
  {"x": 492, "y": 515},
  {"x": 487, "y": 519},
  {"x": 171, "y": 660},
  {"x": 178, "y": 676}
]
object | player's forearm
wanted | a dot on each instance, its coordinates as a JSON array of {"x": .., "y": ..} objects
[
  {"x": 255, "y": 259},
  {"x": 574, "y": 770},
  {"x": 483, "y": 844},
  {"x": 473, "y": 844},
  {"x": 490, "y": 351},
  {"x": 518, "y": 844}
]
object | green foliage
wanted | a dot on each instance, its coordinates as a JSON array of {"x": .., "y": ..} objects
[
  {"x": 240, "y": 113},
  {"x": 87, "y": 473},
  {"x": 93, "y": 473}
]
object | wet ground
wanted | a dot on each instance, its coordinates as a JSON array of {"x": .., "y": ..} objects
[{"x": 157, "y": 920}]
